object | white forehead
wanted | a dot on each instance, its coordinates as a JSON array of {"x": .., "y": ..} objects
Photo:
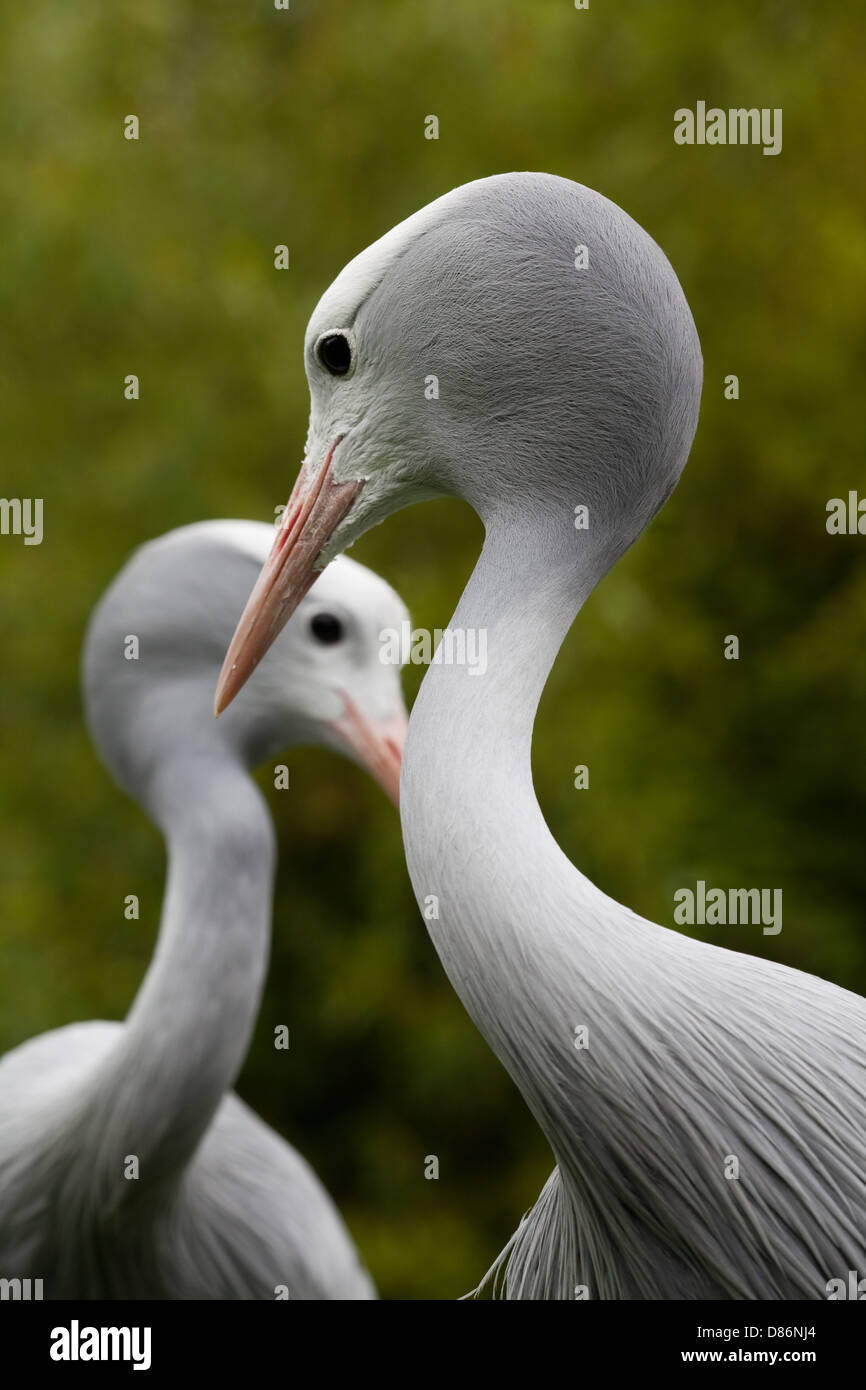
[
  {"x": 253, "y": 538},
  {"x": 357, "y": 280},
  {"x": 343, "y": 582}
]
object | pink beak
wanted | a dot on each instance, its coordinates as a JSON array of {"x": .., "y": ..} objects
[
  {"x": 313, "y": 513},
  {"x": 378, "y": 748}
]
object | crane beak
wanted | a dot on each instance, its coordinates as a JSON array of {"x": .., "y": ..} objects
[
  {"x": 377, "y": 747},
  {"x": 313, "y": 513}
]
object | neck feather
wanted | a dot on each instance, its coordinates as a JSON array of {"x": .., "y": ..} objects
[
  {"x": 189, "y": 1028},
  {"x": 508, "y": 913}
]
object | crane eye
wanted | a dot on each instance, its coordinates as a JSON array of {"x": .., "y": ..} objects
[
  {"x": 334, "y": 351},
  {"x": 326, "y": 628}
]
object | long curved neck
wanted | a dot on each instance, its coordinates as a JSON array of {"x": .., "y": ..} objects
[
  {"x": 505, "y": 908},
  {"x": 187, "y": 1033}
]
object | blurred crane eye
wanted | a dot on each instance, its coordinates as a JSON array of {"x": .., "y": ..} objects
[
  {"x": 334, "y": 351},
  {"x": 326, "y": 628}
]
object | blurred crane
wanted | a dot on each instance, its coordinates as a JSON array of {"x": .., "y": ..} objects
[{"x": 127, "y": 1169}]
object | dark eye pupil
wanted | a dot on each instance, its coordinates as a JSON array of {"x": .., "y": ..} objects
[
  {"x": 326, "y": 628},
  {"x": 335, "y": 353}
]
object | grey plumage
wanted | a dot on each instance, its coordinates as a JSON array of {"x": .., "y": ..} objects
[
  {"x": 562, "y": 387},
  {"x": 222, "y": 1207}
]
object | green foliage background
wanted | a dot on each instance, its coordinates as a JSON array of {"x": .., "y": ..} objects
[{"x": 156, "y": 257}]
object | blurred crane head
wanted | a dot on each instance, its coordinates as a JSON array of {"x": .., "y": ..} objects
[{"x": 156, "y": 641}]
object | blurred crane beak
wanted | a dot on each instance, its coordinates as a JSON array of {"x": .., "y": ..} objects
[
  {"x": 377, "y": 747},
  {"x": 313, "y": 513}
]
